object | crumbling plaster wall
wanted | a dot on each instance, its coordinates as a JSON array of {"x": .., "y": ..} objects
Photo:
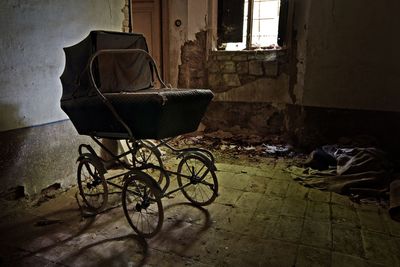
[
  {"x": 343, "y": 58},
  {"x": 193, "y": 19},
  {"x": 34, "y": 32}
]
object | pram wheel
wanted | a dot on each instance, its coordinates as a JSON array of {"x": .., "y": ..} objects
[
  {"x": 148, "y": 154},
  {"x": 141, "y": 201},
  {"x": 92, "y": 185},
  {"x": 197, "y": 180}
]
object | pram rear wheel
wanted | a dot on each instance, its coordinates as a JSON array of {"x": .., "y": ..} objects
[
  {"x": 141, "y": 201},
  {"x": 92, "y": 185},
  {"x": 148, "y": 154},
  {"x": 197, "y": 180}
]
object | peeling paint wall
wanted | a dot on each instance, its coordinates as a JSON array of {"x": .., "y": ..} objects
[{"x": 191, "y": 14}]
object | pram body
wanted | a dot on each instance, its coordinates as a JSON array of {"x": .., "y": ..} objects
[
  {"x": 121, "y": 72},
  {"x": 108, "y": 92}
]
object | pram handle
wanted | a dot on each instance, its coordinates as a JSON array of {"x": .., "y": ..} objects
[{"x": 104, "y": 99}]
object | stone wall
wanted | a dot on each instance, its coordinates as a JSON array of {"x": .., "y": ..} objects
[{"x": 232, "y": 69}]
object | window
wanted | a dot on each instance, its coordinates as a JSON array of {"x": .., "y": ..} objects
[{"x": 251, "y": 24}]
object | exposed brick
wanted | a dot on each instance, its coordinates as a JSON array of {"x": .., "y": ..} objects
[
  {"x": 214, "y": 80},
  {"x": 229, "y": 67},
  {"x": 213, "y": 67},
  {"x": 231, "y": 80},
  {"x": 242, "y": 67},
  {"x": 255, "y": 68},
  {"x": 270, "y": 68},
  {"x": 224, "y": 57},
  {"x": 244, "y": 79},
  {"x": 269, "y": 56},
  {"x": 239, "y": 57}
]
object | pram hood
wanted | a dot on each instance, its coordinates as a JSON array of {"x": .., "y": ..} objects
[{"x": 122, "y": 72}]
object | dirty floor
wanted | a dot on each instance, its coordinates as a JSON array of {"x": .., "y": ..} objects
[{"x": 261, "y": 218}]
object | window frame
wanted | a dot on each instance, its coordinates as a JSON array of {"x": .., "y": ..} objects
[{"x": 284, "y": 27}]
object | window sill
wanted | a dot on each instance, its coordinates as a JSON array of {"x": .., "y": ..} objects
[{"x": 263, "y": 55}]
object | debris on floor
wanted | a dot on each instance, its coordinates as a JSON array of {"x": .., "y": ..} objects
[
  {"x": 241, "y": 143},
  {"x": 361, "y": 173},
  {"x": 48, "y": 193},
  {"x": 46, "y": 222}
]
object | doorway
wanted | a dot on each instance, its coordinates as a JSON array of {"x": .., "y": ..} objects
[{"x": 149, "y": 17}]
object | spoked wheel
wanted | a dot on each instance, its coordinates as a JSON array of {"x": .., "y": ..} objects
[
  {"x": 197, "y": 180},
  {"x": 148, "y": 154},
  {"x": 141, "y": 201},
  {"x": 92, "y": 185}
]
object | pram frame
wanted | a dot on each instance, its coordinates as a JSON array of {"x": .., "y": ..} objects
[{"x": 137, "y": 174}]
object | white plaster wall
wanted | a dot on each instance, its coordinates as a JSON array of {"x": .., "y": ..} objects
[{"x": 33, "y": 33}]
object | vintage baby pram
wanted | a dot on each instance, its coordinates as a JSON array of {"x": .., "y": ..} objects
[{"x": 108, "y": 92}]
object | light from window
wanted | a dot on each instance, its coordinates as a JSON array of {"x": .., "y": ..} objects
[{"x": 264, "y": 25}]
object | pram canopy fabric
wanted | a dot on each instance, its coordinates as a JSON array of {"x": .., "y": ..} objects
[{"x": 112, "y": 72}]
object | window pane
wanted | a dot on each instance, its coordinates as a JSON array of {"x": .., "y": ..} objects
[
  {"x": 240, "y": 45},
  {"x": 269, "y": 9},
  {"x": 265, "y": 23}
]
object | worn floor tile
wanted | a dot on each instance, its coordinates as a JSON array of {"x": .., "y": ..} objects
[
  {"x": 319, "y": 196},
  {"x": 237, "y": 181},
  {"x": 317, "y": 234},
  {"x": 279, "y": 253},
  {"x": 344, "y": 215},
  {"x": 287, "y": 229},
  {"x": 257, "y": 184},
  {"x": 270, "y": 205},
  {"x": 318, "y": 211},
  {"x": 313, "y": 257},
  {"x": 341, "y": 200},
  {"x": 277, "y": 188},
  {"x": 297, "y": 191},
  {"x": 371, "y": 221},
  {"x": 344, "y": 260},
  {"x": 347, "y": 240},
  {"x": 380, "y": 248},
  {"x": 260, "y": 218},
  {"x": 294, "y": 207}
]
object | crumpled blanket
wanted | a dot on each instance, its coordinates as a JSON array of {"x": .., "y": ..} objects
[{"x": 357, "y": 172}]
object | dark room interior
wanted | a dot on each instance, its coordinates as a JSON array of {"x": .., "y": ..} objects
[{"x": 200, "y": 133}]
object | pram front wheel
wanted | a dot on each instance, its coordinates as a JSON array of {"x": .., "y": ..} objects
[
  {"x": 92, "y": 185},
  {"x": 197, "y": 180},
  {"x": 141, "y": 201}
]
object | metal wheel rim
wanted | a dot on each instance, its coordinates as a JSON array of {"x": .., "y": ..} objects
[
  {"x": 91, "y": 199},
  {"x": 206, "y": 189}
]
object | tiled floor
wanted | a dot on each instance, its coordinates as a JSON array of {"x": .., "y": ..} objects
[{"x": 261, "y": 218}]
